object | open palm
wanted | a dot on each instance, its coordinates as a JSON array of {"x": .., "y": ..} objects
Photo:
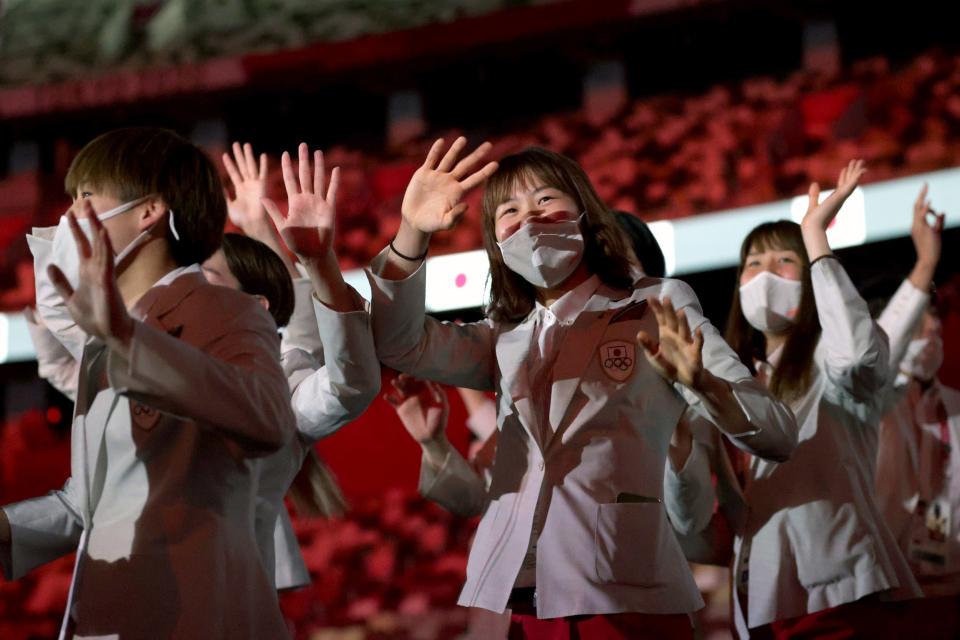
[
  {"x": 433, "y": 199},
  {"x": 821, "y": 214},
  {"x": 422, "y": 407},
  {"x": 926, "y": 235},
  {"x": 308, "y": 226},
  {"x": 677, "y": 356},
  {"x": 95, "y": 304},
  {"x": 249, "y": 186}
]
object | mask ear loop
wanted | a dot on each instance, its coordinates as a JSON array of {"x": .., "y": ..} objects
[{"x": 173, "y": 226}]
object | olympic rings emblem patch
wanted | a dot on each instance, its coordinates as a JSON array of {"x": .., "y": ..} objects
[{"x": 617, "y": 359}]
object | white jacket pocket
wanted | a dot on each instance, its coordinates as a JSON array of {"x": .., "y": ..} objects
[{"x": 632, "y": 540}]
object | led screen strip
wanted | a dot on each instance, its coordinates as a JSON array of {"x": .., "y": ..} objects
[{"x": 876, "y": 212}]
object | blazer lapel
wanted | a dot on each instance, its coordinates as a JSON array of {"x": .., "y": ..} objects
[
  {"x": 513, "y": 346},
  {"x": 156, "y": 302},
  {"x": 87, "y": 429},
  {"x": 580, "y": 346}
]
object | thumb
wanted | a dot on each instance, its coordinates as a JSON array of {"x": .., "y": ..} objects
[
  {"x": 648, "y": 344},
  {"x": 814, "y": 194},
  {"x": 333, "y": 186},
  {"x": 273, "y": 211},
  {"x": 392, "y": 399}
]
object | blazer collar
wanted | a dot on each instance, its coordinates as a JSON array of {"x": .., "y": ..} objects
[{"x": 168, "y": 292}]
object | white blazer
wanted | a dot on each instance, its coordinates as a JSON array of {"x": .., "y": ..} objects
[
  {"x": 909, "y": 454},
  {"x": 324, "y": 399},
  {"x": 159, "y": 504},
  {"x": 816, "y": 536},
  {"x": 327, "y": 394},
  {"x": 595, "y": 555}
]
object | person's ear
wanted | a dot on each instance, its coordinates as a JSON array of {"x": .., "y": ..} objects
[
  {"x": 262, "y": 300},
  {"x": 152, "y": 212}
]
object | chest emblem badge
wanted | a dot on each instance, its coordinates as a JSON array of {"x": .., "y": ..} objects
[{"x": 617, "y": 359}]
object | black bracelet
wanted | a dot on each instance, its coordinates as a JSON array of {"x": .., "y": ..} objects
[
  {"x": 417, "y": 259},
  {"x": 826, "y": 255}
]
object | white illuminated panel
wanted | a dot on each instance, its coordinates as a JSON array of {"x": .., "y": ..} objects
[
  {"x": 457, "y": 281},
  {"x": 873, "y": 213},
  {"x": 15, "y": 343},
  {"x": 662, "y": 230},
  {"x": 454, "y": 281},
  {"x": 848, "y": 229},
  {"x": 880, "y": 211},
  {"x": 357, "y": 279}
]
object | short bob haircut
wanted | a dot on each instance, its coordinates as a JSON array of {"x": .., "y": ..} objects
[
  {"x": 606, "y": 253},
  {"x": 139, "y": 161},
  {"x": 260, "y": 272},
  {"x": 794, "y": 373}
]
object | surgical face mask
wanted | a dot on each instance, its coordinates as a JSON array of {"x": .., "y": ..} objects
[
  {"x": 64, "y": 251},
  {"x": 769, "y": 302},
  {"x": 544, "y": 253},
  {"x": 923, "y": 358}
]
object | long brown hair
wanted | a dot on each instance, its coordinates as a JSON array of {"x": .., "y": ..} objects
[
  {"x": 606, "y": 253},
  {"x": 794, "y": 372}
]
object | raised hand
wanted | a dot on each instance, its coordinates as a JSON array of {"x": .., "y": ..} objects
[
  {"x": 433, "y": 200},
  {"x": 926, "y": 235},
  {"x": 820, "y": 214},
  {"x": 927, "y": 240},
  {"x": 95, "y": 305},
  {"x": 308, "y": 226},
  {"x": 677, "y": 356},
  {"x": 422, "y": 407},
  {"x": 249, "y": 186}
]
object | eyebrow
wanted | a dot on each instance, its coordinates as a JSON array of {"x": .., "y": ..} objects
[{"x": 534, "y": 192}]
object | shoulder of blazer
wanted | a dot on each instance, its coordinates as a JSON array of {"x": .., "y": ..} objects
[
  {"x": 219, "y": 309},
  {"x": 630, "y": 304},
  {"x": 679, "y": 292}
]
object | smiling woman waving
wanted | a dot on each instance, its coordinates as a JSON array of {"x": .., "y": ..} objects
[{"x": 585, "y": 411}]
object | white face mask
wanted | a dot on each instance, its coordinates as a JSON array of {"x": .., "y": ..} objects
[
  {"x": 544, "y": 253},
  {"x": 64, "y": 252},
  {"x": 923, "y": 358},
  {"x": 769, "y": 302}
]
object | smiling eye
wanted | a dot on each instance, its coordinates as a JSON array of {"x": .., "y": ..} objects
[
  {"x": 85, "y": 194},
  {"x": 545, "y": 199},
  {"x": 753, "y": 263},
  {"x": 787, "y": 259}
]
